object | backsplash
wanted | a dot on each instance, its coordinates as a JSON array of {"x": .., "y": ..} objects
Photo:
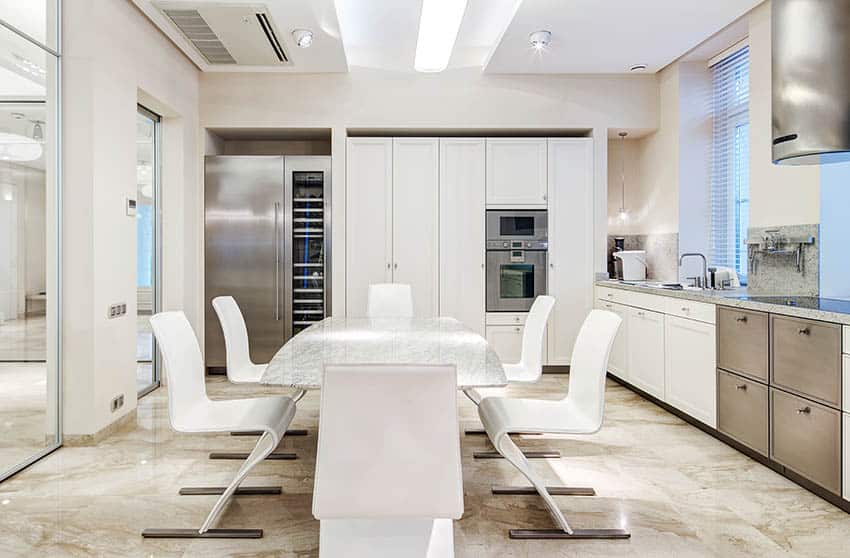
[
  {"x": 662, "y": 254},
  {"x": 777, "y": 273}
]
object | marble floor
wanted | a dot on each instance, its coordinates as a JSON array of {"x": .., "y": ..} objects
[{"x": 680, "y": 492}]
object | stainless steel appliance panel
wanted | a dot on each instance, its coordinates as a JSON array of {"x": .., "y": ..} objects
[
  {"x": 514, "y": 279},
  {"x": 806, "y": 438},
  {"x": 742, "y": 410},
  {"x": 807, "y": 358},
  {"x": 243, "y": 213},
  {"x": 515, "y": 224},
  {"x": 742, "y": 342}
]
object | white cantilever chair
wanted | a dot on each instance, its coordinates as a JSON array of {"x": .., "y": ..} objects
[
  {"x": 580, "y": 412},
  {"x": 390, "y": 300},
  {"x": 190, "y": 410},
  {"x": 392, "y": 489},
  {"x": 240, "y": 368},
  {"x": 530, "y": 366}
]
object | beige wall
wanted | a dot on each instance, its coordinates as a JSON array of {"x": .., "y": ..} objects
[
  {"x": 462, "y": 99},
  {"x": 111, "y": 53},
  {"x": 779, "y": 195}
]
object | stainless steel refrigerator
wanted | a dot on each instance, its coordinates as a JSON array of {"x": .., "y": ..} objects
[{"x": 267, "y": 244}]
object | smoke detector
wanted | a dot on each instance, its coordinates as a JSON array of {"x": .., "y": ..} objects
[{"x": 540, "y": 39}]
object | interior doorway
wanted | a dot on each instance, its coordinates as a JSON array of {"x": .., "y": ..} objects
[{"x": 148, "y": 157}]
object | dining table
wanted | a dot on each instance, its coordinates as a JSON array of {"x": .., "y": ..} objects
[{"x": 353, "y": 340}]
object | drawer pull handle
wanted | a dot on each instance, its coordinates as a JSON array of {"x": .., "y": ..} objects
[
  {"x": 685, "y": 309},
  {"x": 610, "y": 295},
  {"x": 742, "y": 387},
  {"x": 742, "y": 319},
  {"x": 804, "y": 411},
  {"x": 641, "y": 314},
  {"x": 517, "y": 329},
  {"x": 608, "y": 306},
  {"x": 804, "y": 331}
]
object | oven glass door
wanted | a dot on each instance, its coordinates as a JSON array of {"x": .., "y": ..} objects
[{"x": 514, "y": 279}]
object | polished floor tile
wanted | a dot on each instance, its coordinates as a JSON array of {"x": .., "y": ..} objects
[{"x": 680, "y": 492}]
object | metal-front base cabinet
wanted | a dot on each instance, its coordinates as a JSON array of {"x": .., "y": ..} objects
[
  {"x": 806, "y": 437},
  {"x": 742, "y": 410},
  {"x": 742, "y": 342},
  {"x": 645, "y": 348},
  {"x": 689, "y": 371}
]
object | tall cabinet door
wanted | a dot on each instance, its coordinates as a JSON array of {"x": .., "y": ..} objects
[
  {"x": 368, "y": 219},
  {"x": 415, "y": 220},
  {"x": 516, "y": 172},
  {"x": 462, "y": 245},
  {"x": 570, "y": 178}
]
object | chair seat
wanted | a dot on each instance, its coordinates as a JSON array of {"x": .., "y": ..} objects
[
  {"x": 517, "y": 373},
  {"x": 501, "y": 415},
  {"x": 250, "y": 374},
  {"x": 270, "y": 414}
]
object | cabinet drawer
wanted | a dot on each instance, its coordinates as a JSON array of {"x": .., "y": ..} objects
[
  {"x": 506, "y": 318},
  {"x": 806, "y": 438},
  {"x": 742, "y": 342},
  {"x": 742, "y": 410},
  {"x": 612, "y": 295},
  {"x": 690, "y": 309},
  {"x": 807, "y": 358}
]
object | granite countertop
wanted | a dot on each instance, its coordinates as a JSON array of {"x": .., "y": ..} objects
[{"x": 827, "y": 310}]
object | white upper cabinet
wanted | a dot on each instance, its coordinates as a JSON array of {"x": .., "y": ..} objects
[
  {"x": 570, "y": 274},
  {"x": 462, "y": 244},
  {"x": 516, "y": 172},
  {"x": 690, "y": 368},
  {"x": 368, "y": 223},
  {"x": 415, "y": 220}
]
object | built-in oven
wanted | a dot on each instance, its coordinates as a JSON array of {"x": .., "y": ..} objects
[{"x": 517, "y": 250}]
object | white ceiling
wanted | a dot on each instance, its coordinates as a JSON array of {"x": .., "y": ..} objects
[
  {"x": 588, "y": 36},
  {"x": 609, "y": 36}
]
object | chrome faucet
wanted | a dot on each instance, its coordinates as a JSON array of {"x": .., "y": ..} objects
[{"x": 698, "y": 281}]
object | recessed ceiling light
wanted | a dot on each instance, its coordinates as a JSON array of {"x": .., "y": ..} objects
[
  {"x": 438, "y": 27},
  {"x": 540, "y": 39},
  {"x": 638, "y": 68},
  {"x": 303, "y": 37}
]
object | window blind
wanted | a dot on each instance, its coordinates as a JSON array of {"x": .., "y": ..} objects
[{"x": 730, "y": 168}]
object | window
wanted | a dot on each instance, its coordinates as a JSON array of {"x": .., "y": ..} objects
[{"x": 730, "y": 173}]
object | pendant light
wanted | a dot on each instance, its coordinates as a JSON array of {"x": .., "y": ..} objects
[{"x": 624, "y": 215}]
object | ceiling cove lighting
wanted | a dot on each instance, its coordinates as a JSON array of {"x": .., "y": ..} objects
[{"x": 438, "y": 27}]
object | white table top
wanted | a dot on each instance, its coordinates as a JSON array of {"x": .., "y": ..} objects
[{"x": 299, "y": 363}]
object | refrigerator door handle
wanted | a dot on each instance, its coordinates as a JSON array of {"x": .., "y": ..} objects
[{"x": 276, "y": 262}]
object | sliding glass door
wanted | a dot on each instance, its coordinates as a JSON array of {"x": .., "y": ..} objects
[
  {"x": 147, "y": 246},
  {"x": 30, "y": 414}
]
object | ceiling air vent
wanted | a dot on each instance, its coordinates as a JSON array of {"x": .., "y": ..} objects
[
  {"x": 228, "y": 33},
  {"x": 193, "y": 25}
]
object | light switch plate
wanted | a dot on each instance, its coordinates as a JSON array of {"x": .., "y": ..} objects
[
  {"x": 131, "y": 206},
  {"x": 116, "y": 310}
]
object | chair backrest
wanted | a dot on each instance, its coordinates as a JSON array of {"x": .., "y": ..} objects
[
  {"x": 390, "y": 300},
  {"x": 589, "y": 364},
  {"x": 388, "y": 443},
  {"x": 184, "y": 367},
  {"x": 532, "y": 336},
  {"x": 235, "y": 336}
]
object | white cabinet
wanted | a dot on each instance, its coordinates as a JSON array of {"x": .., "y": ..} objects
[
  {"x": 571, "y": 244},
  {"x": 846, "y": 458},
  {"x": 462, "y": 243},
  {"x": 506, "y": 340},
  {"x": 391, "y": 219},
  {"x": 690, "y": 368},
  {"x": 516, "y": 172},
  {"x": 645, "y": 350},
  {"x": 368, "y": 223},
  {"x": 416, "y": 163},
  {"x": 618, "y": 358}
]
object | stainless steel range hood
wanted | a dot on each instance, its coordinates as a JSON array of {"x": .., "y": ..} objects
[{"x": 811, "y": 81}]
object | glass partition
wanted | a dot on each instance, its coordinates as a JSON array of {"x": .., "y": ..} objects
[{"x": 29, "y": 224}]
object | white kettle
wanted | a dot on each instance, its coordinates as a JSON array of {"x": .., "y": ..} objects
[{"x": 634, "y": 264}]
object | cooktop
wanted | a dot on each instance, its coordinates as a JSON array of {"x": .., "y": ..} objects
[{"x": 810, "y": 302}]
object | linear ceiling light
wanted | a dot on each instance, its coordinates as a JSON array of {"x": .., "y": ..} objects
[{"x": 438, "y": 27}]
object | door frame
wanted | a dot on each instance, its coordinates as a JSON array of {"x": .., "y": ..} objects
[{"x": 156, "y": 272}]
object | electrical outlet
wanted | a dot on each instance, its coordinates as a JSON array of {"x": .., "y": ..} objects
[
  {"x": 117, "y": 402},
  {"x": 116, "y": 310}
]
